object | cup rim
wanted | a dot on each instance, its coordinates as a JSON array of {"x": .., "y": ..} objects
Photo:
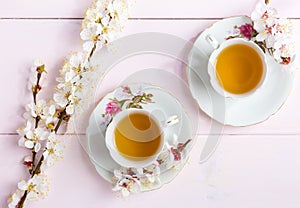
[
  {"x": 212, "y": 69},
  {"x": 118, "y": 157}
]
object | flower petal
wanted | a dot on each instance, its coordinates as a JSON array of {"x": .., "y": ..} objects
[
  {"x": 125, "y": 192},
  {"x": 76, "y": 59},
  {"x": 52, "y": 110},
  {"x": 85, "y": 34},
  {"x": 37, "y": 147},
  {"x": 21, "y": 142},
  {"x": 28, "y": 158},
  {"x": 29, "y": 135},
  {"x": 261, "y": 37},
  {"x": 60, "y": 99},
  {"x": 29, "y": 144},
  {"x": 70, "y": 109},
  {"x": 38, "y": 62},
  {"x": 88, "y": 46},
  {"x": 23, "y": 185}
]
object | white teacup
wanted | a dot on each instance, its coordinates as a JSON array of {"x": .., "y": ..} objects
[
  {"x": 125, "y": 161},
  {"x": 213, "y": 59}
]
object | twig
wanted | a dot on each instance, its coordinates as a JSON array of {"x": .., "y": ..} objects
[
  {"x": 181, "y": 147},
  {"x": 22, "y": 200},
  {"x": 35, "y": 91},
  {"x": 36, "y": 87},
  {"x": 37, "y": 170},
  {"x": 61, "y": 118}
]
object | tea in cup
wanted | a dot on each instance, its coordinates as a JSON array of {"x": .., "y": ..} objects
[
  {"x": 135, "y": 138},
  {"x": 237, "y": 67}
]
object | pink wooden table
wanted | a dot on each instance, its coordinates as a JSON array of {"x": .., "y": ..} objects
[{"x": 255, "y": 166}]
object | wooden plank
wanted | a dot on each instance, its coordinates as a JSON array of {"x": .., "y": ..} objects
[
  {"x": 143, "y": 9},
  {"x": 21, "y": 43},
  {"x": 207, "y": 9},
  {"x": 52, "y": 40},
  {"x": 245, "y": 171},
  {"x": 43, "y": 9}
]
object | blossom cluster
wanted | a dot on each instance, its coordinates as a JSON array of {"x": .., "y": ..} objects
[
  {"x": 43, "y": 119},
  {"x": 276, "y": 32},
  {"x": 136, "y": 180},
  {"x": 131, "y": 180},
  {"x": 39, "y": 136},
  {"x": 128, "y": 99},
  {"x": 75, "y": 84},
  {"x": 103, "y": 23},
  {"x": 36, "y": 187},
  {"x": 272, "y": 33}
]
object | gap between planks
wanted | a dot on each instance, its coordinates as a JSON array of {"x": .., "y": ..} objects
[
  {"x": 225, "y": 134},
  {"x": 144, "y": 18}
]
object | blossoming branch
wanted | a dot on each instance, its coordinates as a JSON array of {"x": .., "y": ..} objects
[{"x": 103, "y": 22}]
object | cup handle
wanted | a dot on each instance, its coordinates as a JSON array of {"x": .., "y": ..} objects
[
  {"x": 172, "y": 120},
  {"x": 212, "y": 41}
]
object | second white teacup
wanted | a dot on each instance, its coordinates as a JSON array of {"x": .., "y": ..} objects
[
  {"x": 237, "y": 67},
  {"x": 135, "y": 137}
]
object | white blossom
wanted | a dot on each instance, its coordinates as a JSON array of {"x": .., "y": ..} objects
[
  {"x": 14, "y": 199},
  {"x": 45, "y": 112},
  {"x": 70, "y": 109},
  {"x": 76, "y": 61},
  {"x": 264, "y": 18},
  {"x": 37, "y": 63},
  {"x": 263, "y": 12},
  {"x": 22, "y": 131},
  {"x": 103, "y": 23},
  {"x": 126, "y": 183},
  {"x": 276, "y": 32},
  {"x": 54, "y": 150},
  {"x": 33, "y": 139},
  {"x": 91, "y": 32},
  {"x": 36, "y": 187},
  {"x": 151, "y": 174},
  {"x": 76, "y": 84},
  {"x": 131, "y": 180},
  {"x": 284, "y": 48},
  {"x": 61, "y": 98},
  {"x": 69, "y": 87},
  {"x": 36, "y": 109},
  {"x": 33, "y": 78},
  {"x": 49, "y": 116}
]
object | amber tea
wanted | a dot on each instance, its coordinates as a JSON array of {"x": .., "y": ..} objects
[
  {"x": 239, "y": 69},
  {"x": 137, "y": 136}
]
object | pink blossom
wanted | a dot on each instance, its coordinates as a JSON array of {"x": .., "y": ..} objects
[
  {"x": 126, "y": 89},
  {"x": 247, "y": 30},
  {"x": 112, "y": 107},
  {"x": 176, "y": 153}
]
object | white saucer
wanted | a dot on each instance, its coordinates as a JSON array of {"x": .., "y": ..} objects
[
  {"x": 164, "y": 105},
  {"x": 235, "y": 112}
]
